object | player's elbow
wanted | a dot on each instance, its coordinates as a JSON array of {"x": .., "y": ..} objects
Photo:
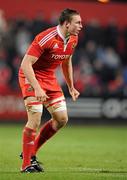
[
  {"x": 22, "y": 65},
  {"x": 25, "y": 64}
]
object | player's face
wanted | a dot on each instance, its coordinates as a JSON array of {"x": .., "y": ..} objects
[{"x": 75, "y": 25}]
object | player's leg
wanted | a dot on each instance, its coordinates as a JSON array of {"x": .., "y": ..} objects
[
  {"x": 60, "y": 119},
  {"x": 34, "y": 112},
  {"x": 57, "y": 109}
]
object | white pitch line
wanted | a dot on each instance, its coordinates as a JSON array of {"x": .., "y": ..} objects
[
  {"x": 85, "y": 170},
  {"x": 76, "y": 170}
]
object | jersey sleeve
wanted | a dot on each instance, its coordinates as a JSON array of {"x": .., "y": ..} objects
[{"x": 36, "y": 49}]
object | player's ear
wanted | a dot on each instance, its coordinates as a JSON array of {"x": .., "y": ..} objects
[{"x": 67, "y": 24}]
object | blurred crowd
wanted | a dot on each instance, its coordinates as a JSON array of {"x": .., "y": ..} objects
[{"x": 99, "y": 61}]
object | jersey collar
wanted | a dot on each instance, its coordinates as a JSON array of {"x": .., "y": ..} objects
[{"x": 60, "y": 34}]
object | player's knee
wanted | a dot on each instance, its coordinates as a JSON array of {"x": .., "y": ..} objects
[
  {"x": 34, "y": 120},
  {"x": 37, "y": 122},
  {"x": 62, "y": 121}
]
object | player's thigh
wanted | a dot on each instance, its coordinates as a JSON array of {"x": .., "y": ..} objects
[{"x": 57, "y": 108}]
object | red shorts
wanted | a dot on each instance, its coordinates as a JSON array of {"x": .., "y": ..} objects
[{"x": 51, "y": 87}]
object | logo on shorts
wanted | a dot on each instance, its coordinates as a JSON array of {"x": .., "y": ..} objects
[
  {"x": 30, "y": 89},
  {"x": 73, "y": 45}
]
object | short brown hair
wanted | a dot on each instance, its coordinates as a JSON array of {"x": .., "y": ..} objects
[{"x": 66, "y": 15}]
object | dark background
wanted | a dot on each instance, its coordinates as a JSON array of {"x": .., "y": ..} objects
[{"x": 100, "y": 59}]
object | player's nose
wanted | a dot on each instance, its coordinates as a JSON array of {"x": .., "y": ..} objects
[{"x": 81, "y": 26}]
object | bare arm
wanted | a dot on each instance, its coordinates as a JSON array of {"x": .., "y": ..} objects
[
  {"x": 27, "y": 68},
  {"x": 68, "y": 74}
]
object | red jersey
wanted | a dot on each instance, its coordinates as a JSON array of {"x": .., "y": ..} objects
[{"x": 51, "y": 49}]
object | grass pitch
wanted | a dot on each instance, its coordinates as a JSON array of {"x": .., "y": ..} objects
[{"x": 75, "y": 153}]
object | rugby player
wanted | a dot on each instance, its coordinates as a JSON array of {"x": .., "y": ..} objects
[{"x": 39, "y": 86}]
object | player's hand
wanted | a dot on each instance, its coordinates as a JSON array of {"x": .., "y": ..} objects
[
  {"x": 74, "y": 93},
  {"x": 41, "y": 95}
]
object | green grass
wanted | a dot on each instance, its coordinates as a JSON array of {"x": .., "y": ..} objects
[{"x": 75, "y": 153}]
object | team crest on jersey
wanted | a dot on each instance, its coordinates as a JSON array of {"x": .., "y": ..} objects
[{"x": 73, "y": 45}]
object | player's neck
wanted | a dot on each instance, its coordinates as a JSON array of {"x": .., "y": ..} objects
[{"x": 64, "y": 32}]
